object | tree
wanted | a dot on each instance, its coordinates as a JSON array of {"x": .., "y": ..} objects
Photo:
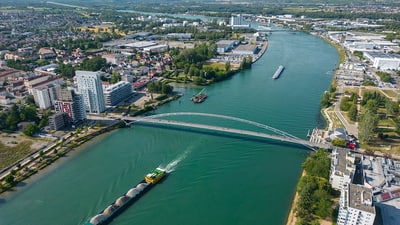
[
  {"x": 93, "y": 64},
  {"x": 227, "y": 66},
  {"x": 115, "y": 77},
  {"x": 318, "y": 164},
  {"x": 353, "y": 113},
  {"x": 392, "y": 108},
  {"x": 339, "y": 142},
  {"x": 10, "y": 179},
  {"x": 325, "y": 100},
  {"x": 368, "y": 123},
  {"x": 66, "y": 70},
  {"x": 304, "y": 204},
  {"x": 31, "y": 129}
]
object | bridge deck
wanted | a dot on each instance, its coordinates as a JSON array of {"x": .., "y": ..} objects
[{"x": 228, "y": 130}]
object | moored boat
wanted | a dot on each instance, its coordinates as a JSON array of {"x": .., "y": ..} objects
[{"x": 278, "y": 72}]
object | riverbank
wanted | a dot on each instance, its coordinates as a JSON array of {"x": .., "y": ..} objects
[
  {"x": 291, "y": 218},
  {"x": 36, "y": 162}
]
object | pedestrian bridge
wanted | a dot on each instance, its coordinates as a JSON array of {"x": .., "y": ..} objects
[{"x": 278, "y": 135}]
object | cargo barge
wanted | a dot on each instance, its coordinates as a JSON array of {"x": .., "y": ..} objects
[
  {"x": 278, "y": 72},
  {"x": 133, "y": 194}
]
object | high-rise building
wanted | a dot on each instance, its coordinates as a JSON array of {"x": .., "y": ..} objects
[
  {"x": 89, "y": 86},
  {"x": 44, "y": 96},
  {"x": 355, "y": 206},
  {"x": 342, "y": 168},
  {"x": 71, "y": 104},
  {"x": 117, "y": 92},
  {"x": 236, "y": 20}
]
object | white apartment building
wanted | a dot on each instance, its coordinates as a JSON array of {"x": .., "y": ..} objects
[
  {"x": 89, "y": 86},
  {"x": 236, "y": 20},
  {"x": 117, "y": 92},
  {"x": 44, "y": 96},
  {"x": 355, "y": 206},
  {"x": 342, "y": 168}
]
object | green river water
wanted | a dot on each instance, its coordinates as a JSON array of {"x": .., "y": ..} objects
[{"x": 217, "y": 178}]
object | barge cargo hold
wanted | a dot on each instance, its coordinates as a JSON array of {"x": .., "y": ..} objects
[
  {"x": 133, "y": 194},
  {"x": 278, "y": 72}
]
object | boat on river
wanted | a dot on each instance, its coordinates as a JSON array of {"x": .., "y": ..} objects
[
  {"x": 199, "y": 97},
  {"x": 278, "y": 72},
  {"x": 133, "y": 194}
]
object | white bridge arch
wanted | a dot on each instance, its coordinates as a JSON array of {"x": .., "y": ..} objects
[
  {"x": 276, "y": 131},
  {"x": 279, "y": 134}
]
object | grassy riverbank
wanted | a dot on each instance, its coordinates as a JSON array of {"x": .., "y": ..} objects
[{"x": 37, "y": 162}]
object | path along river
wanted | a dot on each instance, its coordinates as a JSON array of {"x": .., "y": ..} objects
[{"x": 217, "y": 179}]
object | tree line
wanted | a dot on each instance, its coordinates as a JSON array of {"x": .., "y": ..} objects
[
  {"x": 314, "y": 190},
  {"x": 9, "y": 120}
]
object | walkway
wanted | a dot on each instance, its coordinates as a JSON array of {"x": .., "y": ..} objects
[{"x": 282, "y": 136}]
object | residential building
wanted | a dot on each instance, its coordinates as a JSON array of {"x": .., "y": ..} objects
[
  {"x": 44, "y": 96},
  {"x": 89, "y": 86},
  {"x": 355, "y": 206},
  {"x": 57, "y": 121},
  {"x": 71, "y": 104},
  {"x": 342, "y": 168},
  {"x": 117, "y": 92},
  {"x": 236, "y": 20}
]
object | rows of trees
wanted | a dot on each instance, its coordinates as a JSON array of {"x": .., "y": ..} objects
[
  {"x": 385, "y": 77},
  {"x": 314, "y": 189},
  {"x": 198, "y": 54},
  {"x": 349, "y": 104},
  {"x": 328, "y": 95},
  {"x": 160, "y": 87},
  {"x": 369, "y": 120}
]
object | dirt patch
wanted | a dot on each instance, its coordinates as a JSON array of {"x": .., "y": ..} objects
[{"x": 15, "y": 146}]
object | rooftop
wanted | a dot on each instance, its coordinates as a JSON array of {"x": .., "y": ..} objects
[{"x": 361, "y": 198}]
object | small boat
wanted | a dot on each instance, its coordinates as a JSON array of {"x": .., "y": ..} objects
[{"x": 200, "y": 97}]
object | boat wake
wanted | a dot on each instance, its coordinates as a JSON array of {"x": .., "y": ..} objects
[{"x": 174, "y": 163}]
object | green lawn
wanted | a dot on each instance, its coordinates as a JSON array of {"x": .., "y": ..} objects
[{"x": 391, "y": 93}]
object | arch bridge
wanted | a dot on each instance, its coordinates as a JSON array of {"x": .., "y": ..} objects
[{"x": 278, "y": 135}]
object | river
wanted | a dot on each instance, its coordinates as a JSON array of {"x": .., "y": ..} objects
[{"x": 217, "y": 179}]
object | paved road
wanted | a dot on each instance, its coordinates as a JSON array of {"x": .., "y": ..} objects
[{"x": 351, "y": 128}]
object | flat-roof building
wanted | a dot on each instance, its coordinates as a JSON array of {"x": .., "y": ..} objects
[
  {"x": 245, "y": 50},
  {"x": 383, "y": 60},
  {"x": 89, "y": 85},
  {"x": 117, "y": 92},
  {"x": 355, "y": 206},
  {"x": 342, "y": 168},
  {"x": 57, "y": 121}
]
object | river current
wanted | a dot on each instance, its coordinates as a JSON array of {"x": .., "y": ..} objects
[{"x": 216, "y": 178}]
